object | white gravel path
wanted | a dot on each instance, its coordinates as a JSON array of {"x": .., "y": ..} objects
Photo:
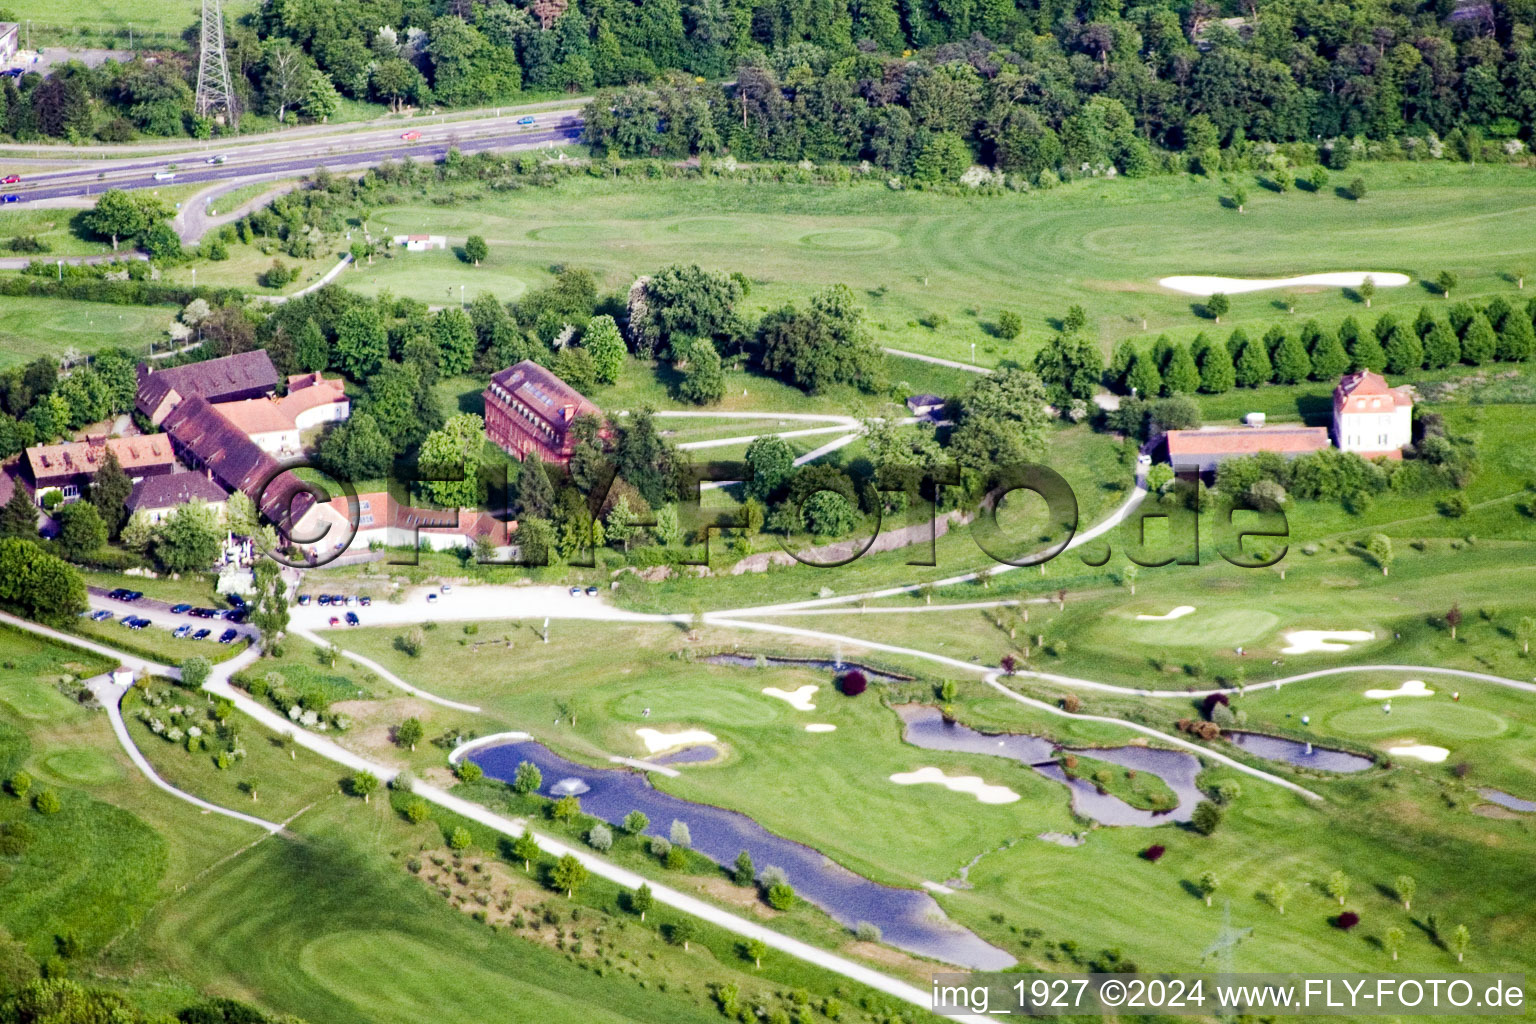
[{"x": 1207, "y": 286}]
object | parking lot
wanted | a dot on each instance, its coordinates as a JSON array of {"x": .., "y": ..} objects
[{"x": 134, "y": 612}]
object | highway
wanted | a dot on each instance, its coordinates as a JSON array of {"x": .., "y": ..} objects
[{"x": 278, "y": 158}]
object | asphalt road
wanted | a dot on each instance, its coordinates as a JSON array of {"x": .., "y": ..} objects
[{"x": 288, "y": 158}]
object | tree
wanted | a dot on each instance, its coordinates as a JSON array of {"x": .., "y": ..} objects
[
  {"x": 1392, "y": 939},
  {"x": 20, "y": 784},
  {"x": 568, "y": 874},
  {"x": 1367, "y": 290},
  {"x": 1206, "y": 817},
  {"x": 1403, "y": 350},
  {"x": 1405, "y": 887},
  {"x": 1379, "y": 547},
  {"x": 1143, "y": 378},
  {"x": 355, "y": 449},
  {"x": 755, "y": 950},
  {"x": 1445, "y": 281},
  {"x": 825, "y": 345},
  {"x": 1239, "y": 200},
  {"x": 1338, "y": 886},
  {"x": 81, "y": 530},
  {"x": 37, "y": 584},
  {"x": 1217, "y": 374},
  {"x": 525, "y": 848},
  {"x": 781, "y": 896},
  {"x": 1217, "y": 306},
  {"x": 460, "y": 838},
  {"x": 47, "y": 802},
  {"x": 116, "y": 215},
  {"x": 1525, "y": 629},
  {"x": 1291, "y": 362},
  {"x": 1253, "y": 366},
  {"x": 641, "y": 900},
  {"x": 409, "y": 733},
  {"x": 773, "y": 463},
  {"x": 1479, "y": 344},
  {"x": 363, "y": 784},
  {"x": 1459, "y": 941},
  {"x": 1365, "y": 353},
  {"x": 18, "y": 518},
  {"x": 703, "y": 380},
  {"x": 1517, "y": 339},
  {"x": 361, "y": 342},
  {"x": 269, "y": 608},
  {"x": 535, "y": 494},
  {"x": 454, "y": 333},
  {"x": 744, "y": 871},
  {"x": 1453, "y": 619},
  {"x": 1277, "y": 894},
  {"x": 621, "y": 522},
  {"x": 1009, "y": 325},
  {"x": 606, "y": 344},
  {"x": 681, "y": 933},
  {"x": 1357, "y": 189},
  {"x": 600, "y": 838},
  {"x": 475, "y": 249},
  {"x": 1181, "y": 376},
  {"x": 1002, "y": 421},
  {"x": 1207, "y": 886},
  {"x": 527, "y": 779},
  {"x": 468, "y": 771},
  {"x": 450, "y": 462},
  {"x": 1441, "y": 346},
  {"x": 189, "y": 539},
  {"x": 109, "y": 493}
]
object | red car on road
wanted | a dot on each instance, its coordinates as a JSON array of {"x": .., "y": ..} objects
[
  {"x": 11, "y": 179},
  {"x": 411, "y": 136}
]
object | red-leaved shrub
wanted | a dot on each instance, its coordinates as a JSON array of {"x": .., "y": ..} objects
[
  {"x": 853, "y": 683},
  {"x": 1347, "y": 920},
  {"x": 1153, "y": 852}
]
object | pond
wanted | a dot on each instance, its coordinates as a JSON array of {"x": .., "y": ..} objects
[
  {"x": 926, "y": 728},
  {"x": 908, "y": 919},
  {"x": 823, "y": 664},
  {"x": 1504, "y": 799},
  {"x": 688, "y": 755},
  {"x": 1278, "y": 748}
]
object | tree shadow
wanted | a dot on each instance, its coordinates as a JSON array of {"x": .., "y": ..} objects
[
  {"x": 1201, "y": 310},
  {"x": 1343, "y": 193},
  {"x": 1227, "y": 202},
  {"x": 1431, "y": 287},
  {"x": 1315, "y": 410},
  {"x": 1192, "y": 889}
]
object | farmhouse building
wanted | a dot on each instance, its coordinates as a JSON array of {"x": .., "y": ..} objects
[
  {"x": 529, "y": 411},
  {"x": 1201, "y": 451},
  {"x": 158, "y": 496},
  {"x": 421, "y": 243},
  {"x": 276, "y": 424},
  {"x": 380, "y": 519},
  {"x": 230, "y": 378},
  {"x": 204, "y": 438},
  {"x": 70, "y": 467},
  {"x": 1370, "y": 418}
]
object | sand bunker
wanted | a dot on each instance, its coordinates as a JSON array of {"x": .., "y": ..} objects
[
  {"x": 1421, "y": 752},
  {"x": 1307, "y": 641},
  {"x": 1412, "y": 688},
  {"x": 1197, "y": 285},
  {"x": 656, "y": 740},
  {"x": 799, "y": 699},
  {"x": 971, "y": 784},
  {"x": 821, "y": 727},
  {"x": 1178, "y": 613}
]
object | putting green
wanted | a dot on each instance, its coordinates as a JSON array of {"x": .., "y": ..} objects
[
  {"x": 34, "y": 701},
  {"x": 442, "y": 220},
  {"x": 850, "y": 240},
  {"x": 725, "y": 706},
  {"x": 718, "y": 229},
  {"x": 412, "y": 990},
  {"x": 567, "y": 233},
  {"x": 1427, "y": 720},
  {"x": 1204, "y": 627},
  {"x": 82, "y": 766}
]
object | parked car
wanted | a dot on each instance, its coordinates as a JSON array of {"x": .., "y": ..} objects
[
  {"x": 236, "y": 615},
  {"x": 100, "y": 616},
  {"x": 525, "y": 120},
  {"x": 181, "y": 632},
  {"x": 304, "y": 600},
  {"x": 11, "y": 179},
  {"x": 202, "y": 634},
  {"x": 117, "y": 595},
  {"x": 180, "y": 609},
  {"x": 204, "y": 613},
  {"x": 575, "y": 591},
  {"x": 411, "y": 136},
  {"x": 335, "y": 621},
  {"x": 352, "y": 619},
  {"x": 432, "y": 598},
  {"x": 228, "y": 636},
  {"x": 236, "y": 600},
  {"x": 132, "y": 595},
  {"x": 351, "y": 602},
  {"x": 447, "y": 588},
  {"x": 365, "y": 601},
  {"x": 591, "y": 591}
]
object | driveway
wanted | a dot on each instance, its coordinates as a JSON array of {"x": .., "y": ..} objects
[{"x": 468, "y": 604}]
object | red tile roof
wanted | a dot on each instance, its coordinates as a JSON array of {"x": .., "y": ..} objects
[
  {"x": 213, "y": 379},
  {"x": 1364, "y": 391},
  {"x": 1246, "y": 441},
  {"x": 76, "y": 458},
  {"x": 209, "y": 439}
]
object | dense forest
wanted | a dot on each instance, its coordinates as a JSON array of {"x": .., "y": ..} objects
[{"x": 1025, "y": 86}]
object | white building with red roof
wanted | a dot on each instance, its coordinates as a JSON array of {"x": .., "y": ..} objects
[{"x": 1370, "y": 418}]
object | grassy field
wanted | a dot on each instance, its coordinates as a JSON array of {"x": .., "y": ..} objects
[
  {"x": 31, "y": 327},
  {"x": 1413, "y": 820},
  {"x": 1103, "y": 244},
  {"x": 58, "y": 22}
]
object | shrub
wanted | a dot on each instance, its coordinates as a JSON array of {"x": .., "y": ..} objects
[
  {"x": 468, "y": 771},
  {"x": 1206, "y": 817},
  {"x": 1154, "y": 853},
  {"x": 853, "y": 683},
  {"x": 866, "y": 932},
  {"x": 600, "y": 838},
  {"x": 1208, "y": 706},
  {"x": 47, "y": 802},
  {"x": 1346, "y": 920},
  {"x": 781, "y": 896}
]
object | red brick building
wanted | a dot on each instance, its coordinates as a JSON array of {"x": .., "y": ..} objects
[{"x": 529, "y": 411}]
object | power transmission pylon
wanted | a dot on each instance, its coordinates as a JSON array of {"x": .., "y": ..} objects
[{"x": 214, "y": 92}]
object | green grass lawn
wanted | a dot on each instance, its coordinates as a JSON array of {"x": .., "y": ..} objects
[
  {"x": 55, "y": 228},
  {"x": 32, "y": 327},
  {"x": 58, "y": 22},
  {"x": 156, "y": 642},
  {"x": 1103, "y": 244}
]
